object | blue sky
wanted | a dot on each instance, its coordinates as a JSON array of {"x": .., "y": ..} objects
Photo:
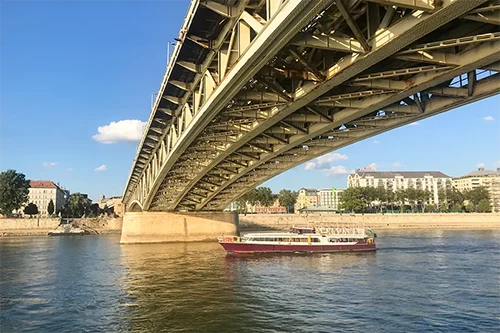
[{"x": 68, "y": 68}]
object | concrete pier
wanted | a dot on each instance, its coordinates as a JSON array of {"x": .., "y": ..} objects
[{"x": 161, "y": 227}]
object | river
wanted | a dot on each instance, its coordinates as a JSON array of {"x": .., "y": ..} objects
[{"x": 417, "y": 281}]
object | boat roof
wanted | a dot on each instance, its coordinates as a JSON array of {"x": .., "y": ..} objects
[{"x": 289, "y": 234}]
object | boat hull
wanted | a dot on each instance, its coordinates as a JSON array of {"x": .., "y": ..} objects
[{"x": 237, "y": 248}]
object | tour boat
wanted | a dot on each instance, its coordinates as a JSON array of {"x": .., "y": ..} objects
[
  {"x": 302, "y": 239},
  {"x": 67, "y": 230}
]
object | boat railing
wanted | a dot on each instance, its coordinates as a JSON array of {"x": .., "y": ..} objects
[
  {"x": 228, "y": 239},
  {"x": 340, "y": 231}
]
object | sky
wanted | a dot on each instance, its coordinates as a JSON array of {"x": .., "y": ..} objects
[{"x": 76, "y": 80}]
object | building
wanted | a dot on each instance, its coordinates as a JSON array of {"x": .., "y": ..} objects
[
  {"x": 307, "y": 197},
  {"x": 111, "y": 206},
  {"x": 42, "y": 191},
  {"x": 275, "y": 208},
  {"x": 432, "y": 181},
  {"x": 329, "y": 197},
  {"x": 487, "y": 178}
]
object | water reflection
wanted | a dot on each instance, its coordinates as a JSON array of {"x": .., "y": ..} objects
[{"x": 417, "y": 281}]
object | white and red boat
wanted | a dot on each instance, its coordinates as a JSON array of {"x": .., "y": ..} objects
[{"x": 302, "y": 239}]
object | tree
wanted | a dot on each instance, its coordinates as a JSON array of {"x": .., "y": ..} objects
[
  {"x": 431, "y": 208},
  {"x": 469, "y": 207},
  {"x": 350, "y": 199},
  {"x": 475, "y": 195},
  {"x": 14, "y": 189},
  {"x": 76, "y": 206},
  {"x": 484, "y": 206},
  {"x": 457, "y": 207},
  {"x": 249, "y": 197},
  {"x": 288, "y": 199},
  {"x": 265, "y": 196},
  {"x": 31, "y": 209},
  {"x": 50, "y": 207}
]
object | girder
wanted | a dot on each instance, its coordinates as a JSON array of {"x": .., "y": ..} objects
[{"x": 279, "y": 83}]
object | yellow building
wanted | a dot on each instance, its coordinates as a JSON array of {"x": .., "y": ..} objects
[
  {"x": 307, "y": 197},
  {"x": 487, "y": 178}
]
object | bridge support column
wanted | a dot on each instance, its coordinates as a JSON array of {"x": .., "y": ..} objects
[{"x": 160, "y": 227}]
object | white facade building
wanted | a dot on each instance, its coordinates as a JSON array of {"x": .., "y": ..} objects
[
  {"x": 431, "y": 181},
  {"x": 42, "y": 191},
  {"x": 329, "y": 197},
  {"x": 486, "y": 178}
]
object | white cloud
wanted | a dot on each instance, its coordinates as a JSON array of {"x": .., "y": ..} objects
[
  {"x": 49, "y": 164},
  {"x": 488, "y": 118},
  {"x": 324, "y": 162},
  {"x": 336, "y": 170},
  {"x": 372, "y": 167},
  {"x": 480, "y": 165},
  {"x": 416, "y": 123},
  {"x": 497, "y": 164},
  {"x": 101, "y": 168},
  {"x": 69, "y": 169},
  {"x": 129, "y": 130},
  {"x": 376, "y": 142},
  {"x": 397, "y": 165}
]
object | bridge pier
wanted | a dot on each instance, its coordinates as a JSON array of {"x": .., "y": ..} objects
[{"x": 161, "y": 227}]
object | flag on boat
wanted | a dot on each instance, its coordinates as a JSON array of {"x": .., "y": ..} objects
[{"x": 371, "y": 232}]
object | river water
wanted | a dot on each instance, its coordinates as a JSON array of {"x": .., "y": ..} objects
[{"x": 417, "y": 281}]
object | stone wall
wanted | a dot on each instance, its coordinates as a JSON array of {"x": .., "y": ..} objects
[
  {"x": 375, "y": 221},
  {"x": 157, "y": 227},
  {"x": 40, "y": 226},
  {"x": 27, "y": 223}
]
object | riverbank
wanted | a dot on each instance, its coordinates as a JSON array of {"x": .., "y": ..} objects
[
  {"x": 41, "y": 226},
  {"x": 471, "y": 221}
]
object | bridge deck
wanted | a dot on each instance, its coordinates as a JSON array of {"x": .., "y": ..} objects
[{"x": 256, "y": 87}]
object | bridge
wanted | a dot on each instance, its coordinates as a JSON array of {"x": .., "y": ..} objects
[{"x": 256, "y": 87}]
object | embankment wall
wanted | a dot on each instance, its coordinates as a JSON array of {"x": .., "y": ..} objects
[
  {"x": 376, "y": 221},
  {"x": 158, "y": 227},
  {"x": 40, "y": 226}
]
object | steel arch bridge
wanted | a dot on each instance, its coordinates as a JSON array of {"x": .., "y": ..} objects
[{"x": 256, "y": 87}]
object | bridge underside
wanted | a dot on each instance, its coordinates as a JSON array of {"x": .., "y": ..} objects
[{"x": 269, "y": 85}]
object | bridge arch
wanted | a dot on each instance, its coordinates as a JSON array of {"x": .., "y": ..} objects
[
  {"x": 241, "y": 120},
  {"x": 135, "y": 206}
]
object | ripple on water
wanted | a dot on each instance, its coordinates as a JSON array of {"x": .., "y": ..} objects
[{"x": 417, "y": 281}]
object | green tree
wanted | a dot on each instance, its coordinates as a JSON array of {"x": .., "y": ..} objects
[
  {"x": 31, "y": 209},
  {"x": 50, "y": 207},
  {"x": 475, "y": 195},
  {"x": 484, "y": 206},
  {"x": 443, "y": 207},
  {"x": 250, "y": 197},
  {"x": 288, "y": 199},
  {"x": 431, "y": 208},
  {"x": 77, "y": 205},
  {"x": 457, "y": 207},
  {"x": 400, "y": 197},
  {"x": 469, "y": 207},
  {"x": 350, "y": 199},
  {"x": 265, "y": 196},
  {"x": 14, "y": 189}
]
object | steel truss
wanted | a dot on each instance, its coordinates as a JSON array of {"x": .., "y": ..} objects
[{"x": 256, "y": 88}]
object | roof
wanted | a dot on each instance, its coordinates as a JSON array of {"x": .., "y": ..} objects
[
  {"x": 405, "y": 174},
  {"x": 481, "y": 173},
  {"x": 42, "y": 184}
]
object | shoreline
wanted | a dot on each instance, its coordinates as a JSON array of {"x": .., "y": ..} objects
[
  {"x": 38, "y": 232},
  {"x": 376, "y": 222}
]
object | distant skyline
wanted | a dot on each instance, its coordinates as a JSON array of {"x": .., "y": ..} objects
[{"x": 76, "y": 80}]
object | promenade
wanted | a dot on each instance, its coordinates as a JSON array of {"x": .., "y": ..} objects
[{"x": 471, "y": 221}]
